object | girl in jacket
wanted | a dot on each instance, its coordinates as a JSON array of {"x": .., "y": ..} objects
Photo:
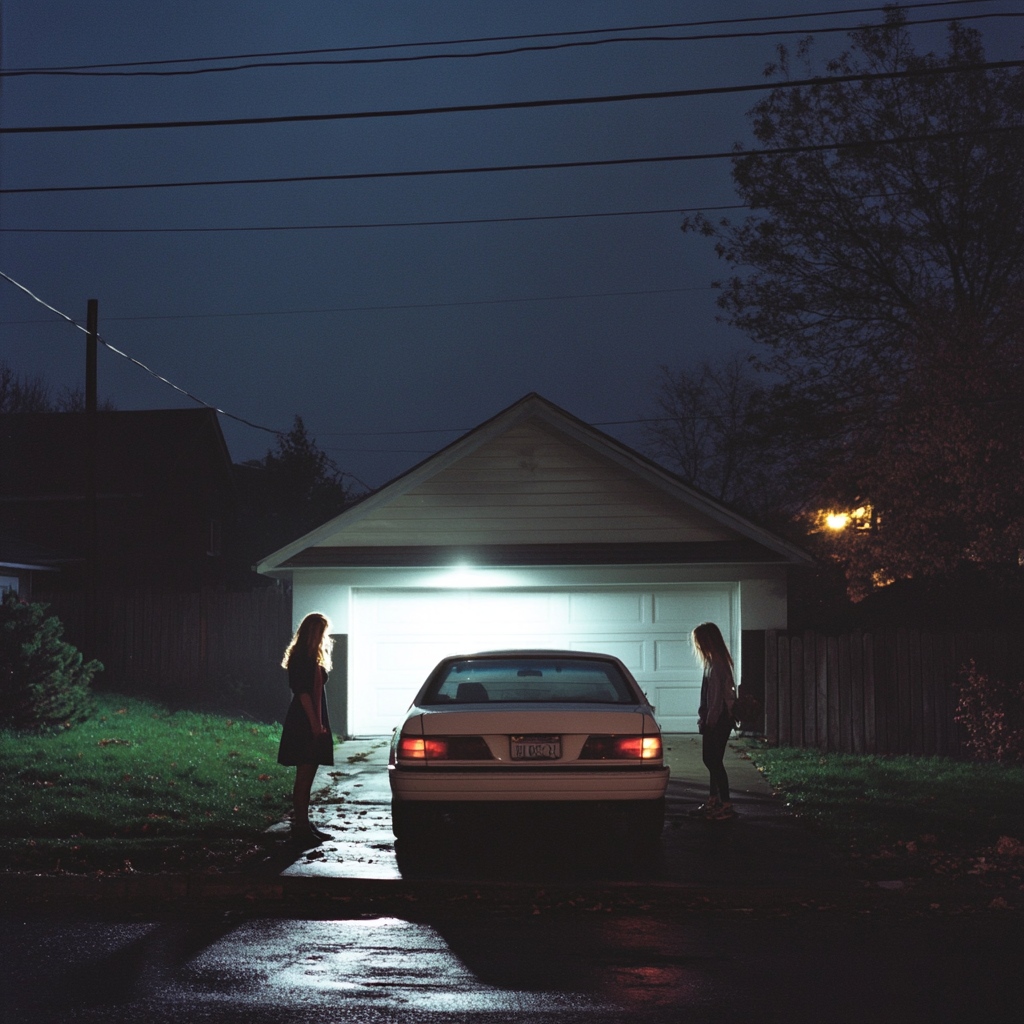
[
  {"x": 306, "y": 740},
  {"x": 714, "y": 719}
]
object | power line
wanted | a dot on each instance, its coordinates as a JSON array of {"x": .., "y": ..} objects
[
  {"x": 136, "y": 362},
  {"x": 559, "y": 165},
  {"x": 384, "y": 224},
  {"x": 463, "y": 430},
  {"x": 536, "y": 48},
  {"x": 410, "y": 223},
  {"x": 464, "y": 108},
  {"x": 510, "y": 38},
  {"x": 409, "y": 305}
]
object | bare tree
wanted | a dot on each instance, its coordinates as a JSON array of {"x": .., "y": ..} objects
[
  {"x": 710, "y": 434},
  {"x": 22, "y": 394}
]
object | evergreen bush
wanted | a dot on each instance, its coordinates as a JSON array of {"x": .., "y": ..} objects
[{"x": 43, "y": 681}]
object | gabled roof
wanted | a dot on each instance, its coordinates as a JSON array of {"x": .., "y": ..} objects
[
  {"x": 727, "y": 535},
  {"x": 141, "y": 451}
]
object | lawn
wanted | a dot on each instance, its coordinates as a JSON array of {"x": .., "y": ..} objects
[
  {"x": 140, "y": 784},
  {"x": 927, "y": 815}
]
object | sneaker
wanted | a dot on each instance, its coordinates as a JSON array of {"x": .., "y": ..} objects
[
  {"x": 705, "y": 810},
  {"x": 723, "y": 812},
  {"x": 320, "y": 833}
]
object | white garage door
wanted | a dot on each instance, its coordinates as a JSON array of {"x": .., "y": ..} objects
[{"x": 398, "y": 636}]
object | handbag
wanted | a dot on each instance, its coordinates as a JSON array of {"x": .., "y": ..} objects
[{"x": 746, "y": 709}]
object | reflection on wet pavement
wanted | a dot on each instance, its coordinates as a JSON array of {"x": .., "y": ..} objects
[{"x": 480, "y": 967}]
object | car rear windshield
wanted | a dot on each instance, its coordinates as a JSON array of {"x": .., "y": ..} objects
[{"x": 529, "y": 680}]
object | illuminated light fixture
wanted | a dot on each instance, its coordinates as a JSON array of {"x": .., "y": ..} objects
[
  {"x": 461, "y": 576},
  {"x": 858, "y": 518}
]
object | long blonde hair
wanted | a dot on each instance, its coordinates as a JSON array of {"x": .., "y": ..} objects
[
  {"x": 709, "y": 645},
  {"x": 311, "y": 640}
]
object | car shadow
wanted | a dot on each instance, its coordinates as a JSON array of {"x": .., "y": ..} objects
[{"x": 516, "y": 843}]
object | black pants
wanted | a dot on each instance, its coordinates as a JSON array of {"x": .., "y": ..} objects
[{"x": 713, "y": 753}]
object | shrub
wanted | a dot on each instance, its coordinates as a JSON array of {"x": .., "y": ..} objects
[
  {"x": 43, "y": 681},
  {"x": 992, "y": 712}
]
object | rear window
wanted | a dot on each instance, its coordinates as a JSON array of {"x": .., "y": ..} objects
[{"x": 528, "y": 681}]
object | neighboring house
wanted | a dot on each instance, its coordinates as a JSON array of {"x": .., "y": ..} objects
[
  {"x": 165, "y": 492},
  {"x": 23, "y": 564},
  {"x": 534, "y": 530}
]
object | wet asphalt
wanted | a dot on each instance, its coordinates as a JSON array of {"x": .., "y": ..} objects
[
  {"x": 641, "y": 959},
  {"x": 764, "y": 846},
  {"x": 561, "y": 968}
]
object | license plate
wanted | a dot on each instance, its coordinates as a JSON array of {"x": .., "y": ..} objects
[{"x": 536, "y": 748}]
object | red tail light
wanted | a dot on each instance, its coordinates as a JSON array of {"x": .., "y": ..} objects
[
  {"x": 444, "y": 748},
  {"x": 621, "y": 748}
]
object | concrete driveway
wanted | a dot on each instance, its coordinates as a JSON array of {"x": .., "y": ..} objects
[{"x": 764, "y": 847}]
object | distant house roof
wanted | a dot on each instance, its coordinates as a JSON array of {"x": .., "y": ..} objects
[
  {"x": 43, "y": 455},
  {"x": 18, "y": 553},
  {"x": 534, "y": 485}
]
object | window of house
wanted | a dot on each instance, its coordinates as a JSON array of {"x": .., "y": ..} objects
[{"x": 8, "y": 584}]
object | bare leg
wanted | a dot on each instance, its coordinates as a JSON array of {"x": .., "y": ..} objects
[{"x": 304, "y": 775}]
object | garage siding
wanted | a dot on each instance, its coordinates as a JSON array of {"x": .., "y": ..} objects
[{"x": 531, "y": 485}]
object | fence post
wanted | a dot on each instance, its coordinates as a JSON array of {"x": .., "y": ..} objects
[
  {"x": 785, "y": 691},
  {"x": 771, "y": 687},
  {"x": 870, "y": 730}
]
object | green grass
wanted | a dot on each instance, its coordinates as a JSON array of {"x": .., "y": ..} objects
[
  {"x": 137, "y": 782},
  {"x": 953, "y": 804}
]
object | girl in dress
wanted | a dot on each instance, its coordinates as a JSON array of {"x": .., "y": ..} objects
[{"x": 306, "y": 740}]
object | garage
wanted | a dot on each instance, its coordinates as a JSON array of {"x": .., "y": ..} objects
[
  {"x": 534, "y": 529},
  {"x": 399, "y": 635}
]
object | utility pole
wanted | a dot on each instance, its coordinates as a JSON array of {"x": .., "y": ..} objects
[{"x": 91, "y": 441}]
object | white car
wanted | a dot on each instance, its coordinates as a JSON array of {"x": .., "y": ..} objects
[{"x": 529, "y": 726}]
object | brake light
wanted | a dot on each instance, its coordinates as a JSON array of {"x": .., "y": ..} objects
[
  {"x": 651, "y": 747},
  {"x": 445, "y": 748},
  {"x": 411, "y": 747},
  {"x": 621, "y": 748}
]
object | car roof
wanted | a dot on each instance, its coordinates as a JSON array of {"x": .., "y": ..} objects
[{"x": 538, "y": 652}]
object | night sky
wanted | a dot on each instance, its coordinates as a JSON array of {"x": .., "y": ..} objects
[{"x": 268, "y": 324}]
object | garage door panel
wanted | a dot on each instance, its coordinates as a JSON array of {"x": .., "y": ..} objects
[
  {"x": 602, "y": 608},
  {"x": 683, "y": 611},
  {"x": 673, "y": 656},
  {"x": 629, "y": 652},
  {"x": 398, "y": 636}
]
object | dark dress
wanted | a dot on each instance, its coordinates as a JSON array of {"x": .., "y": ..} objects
[{"x": 298, "y": 744}]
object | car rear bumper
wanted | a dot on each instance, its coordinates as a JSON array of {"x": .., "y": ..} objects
[{"x": 430, "y": 784}]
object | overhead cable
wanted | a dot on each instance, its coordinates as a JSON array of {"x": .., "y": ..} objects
[
  {"x": 463, "y": 108},
  {"x": 383, "y": 224},
  {"x": 732, "y": 154},
  {"x": 530, "y": 35},
  {"x": 508, "y": 51},
  {"x": 136, "y": 362},
  {"x": 406, "y": 305}
]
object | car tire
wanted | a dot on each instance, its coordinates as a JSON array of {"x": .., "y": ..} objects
[
  {"x": 649, "y": 821},
  {"x": 412, "y": 822}
]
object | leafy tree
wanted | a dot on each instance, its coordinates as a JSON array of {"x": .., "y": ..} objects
[
  {"x": 884, "y": 291},
  {"x": 293, "y": 489},
  {"x": 43, "y": 681}
]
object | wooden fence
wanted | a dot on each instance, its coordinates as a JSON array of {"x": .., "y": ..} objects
[
  {"x": 210, "y": 648},
  {"x": 883, "y": 692}
]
